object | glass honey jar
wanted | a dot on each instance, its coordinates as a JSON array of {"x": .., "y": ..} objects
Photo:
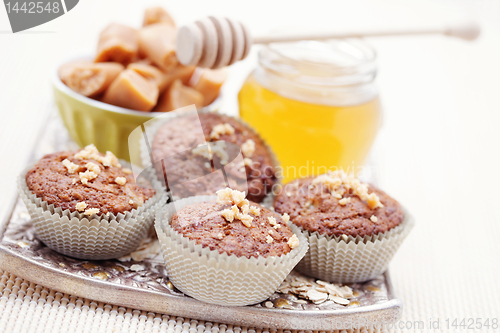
[{"x": 315, "y": 103}]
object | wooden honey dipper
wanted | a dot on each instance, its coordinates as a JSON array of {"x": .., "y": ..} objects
[{"x": 217, "y": 42}]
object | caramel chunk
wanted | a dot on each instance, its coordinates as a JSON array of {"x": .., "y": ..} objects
[
  {"x": 154, "y": 15},
  {"x": 117, "y": 43},
  {"x": 178, "y": 96},
  {"x": 131, "y": 90},
  {"x": 89, "y": 79},
  {"x": 157, "y": 42},
  {"x": 151, "y": 73},
  {"x": 180, "y": 72},
  {"x": 209, "y": 84}
]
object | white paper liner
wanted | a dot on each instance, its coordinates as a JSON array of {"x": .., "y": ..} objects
[
  {"x": 91, "y": 237},
  {"x": 154, "y": 126},
  {"x": 218, "y": 278},
  {"x": 346, "y": 259}
]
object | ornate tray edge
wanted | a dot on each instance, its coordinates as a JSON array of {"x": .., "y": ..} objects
[{"x": 154, "y": 301}]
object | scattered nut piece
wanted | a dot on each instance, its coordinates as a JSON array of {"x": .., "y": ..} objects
[
  {"x": 137, "y": 268},
  {"x": 344, "y": 201},
  {"x": 248, "y": 148},
  {"x": 374, "y": 219},
  {"x": 269, "y": 239},
  {"x": 268, "y": 304},
  {"x": 221, "y": 129},
  {"x": 121, "y": 180},
  {"x": 293, "y": 242},
  {"x": 272, "y": 220},
  {"x": 255, "y": 210},
  {"x": 285, "y": 217},
  {"x": 91, "y": 211},
  {"x": 220, "y": 235},
  {"x": 72, "y": 167},
  {"x": 81, "y": 206},
  {"x": 335, "y": 180},
  {"x": 127, "y": 171}
]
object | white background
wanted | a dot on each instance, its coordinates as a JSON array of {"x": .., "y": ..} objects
[{"x": 437, "y": 152}]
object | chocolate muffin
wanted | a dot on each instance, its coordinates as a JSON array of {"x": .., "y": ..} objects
[
  {"x": 86, "y": 181},
  {"x": 175, "y": 139},
  {"x": 235, "y": 226},
  {"x": 337, "y": 204}
]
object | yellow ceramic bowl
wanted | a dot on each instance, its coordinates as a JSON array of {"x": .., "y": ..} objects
[{"x": 105, "y": 125}]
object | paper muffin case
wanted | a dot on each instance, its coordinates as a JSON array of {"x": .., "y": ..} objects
[
  {"x": 154, "y": 126},
  {"x": 217, "y": 278},
  {"x": 346, "y": 259},
  {"x": 96, "y": 237}
]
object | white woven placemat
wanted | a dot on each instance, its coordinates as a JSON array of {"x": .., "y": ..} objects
[{"x": 29, "y": 307}]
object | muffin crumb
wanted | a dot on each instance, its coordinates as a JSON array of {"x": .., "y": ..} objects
[
  {"x": 72, "y": 167},
  {"x": 121, "y": 180},
  {"x": 293, "y": 242},
  {"x": 221, "y": 129},
  {"x": 248, "y": 148},
  {"x": 91, "y": 211},
  {"x": 80, "y": 206}
]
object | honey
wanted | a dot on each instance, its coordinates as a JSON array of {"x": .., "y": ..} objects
[{"x": 312, "y": 127}]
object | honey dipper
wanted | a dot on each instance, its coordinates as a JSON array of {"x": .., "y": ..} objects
[{"x": 217, "y": 42}]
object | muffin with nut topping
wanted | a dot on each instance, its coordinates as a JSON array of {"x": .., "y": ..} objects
[
  {"x": 227, "y": 250},
  {"x": 353, "y": 228},
  {"x": 87, "y": 205},
  {"x": 180, "y": 134}
]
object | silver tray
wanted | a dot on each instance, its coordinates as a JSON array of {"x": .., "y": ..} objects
[{"x": 144, "y": 284}]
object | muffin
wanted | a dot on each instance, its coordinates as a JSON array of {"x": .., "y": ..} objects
[
  {"x": 177, "y": 141},
  {"x": 86, "y": 205},
  {"x": 353, "y": 228},
  {"x": 227, "y": 250}
]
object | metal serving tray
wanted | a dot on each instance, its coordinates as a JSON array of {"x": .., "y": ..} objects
[{"x": 144, "y": 284}]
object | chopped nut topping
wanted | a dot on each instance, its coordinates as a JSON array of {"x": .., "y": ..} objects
[
  {"x": 121, "y": 180},
  {"x": 72, "y": 167},
  {"x": 91, "y": 211},
  {"x": 255, "y": 211},
  {"x": 127, "y": 171},
  {"x": 230, "y": 214},
  {"x": 221, "y": 129},
  {"x": 232, "y": 197},
  {"x": 91, "y": 152},
  {"x": 220, "y": 236},
  {"x": 269, "y": 239},
  {"x": 248, "y": 148},
  {"x": 293, "y": 242},
  {"x": 131, "y": 202},
  {"x": 81, "y": 206},
  {"x": 374, "y": 219},
  {"x": 344, "y": 201},
  {"x": 272, "y": 220},
  {"x": 247, "y": 161},
  {"x": 335, "y": 179},
  {"x": 245, "y": 219},
  {"x": 285, "y": 217},
  {"x": 270, "y": 232}
]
